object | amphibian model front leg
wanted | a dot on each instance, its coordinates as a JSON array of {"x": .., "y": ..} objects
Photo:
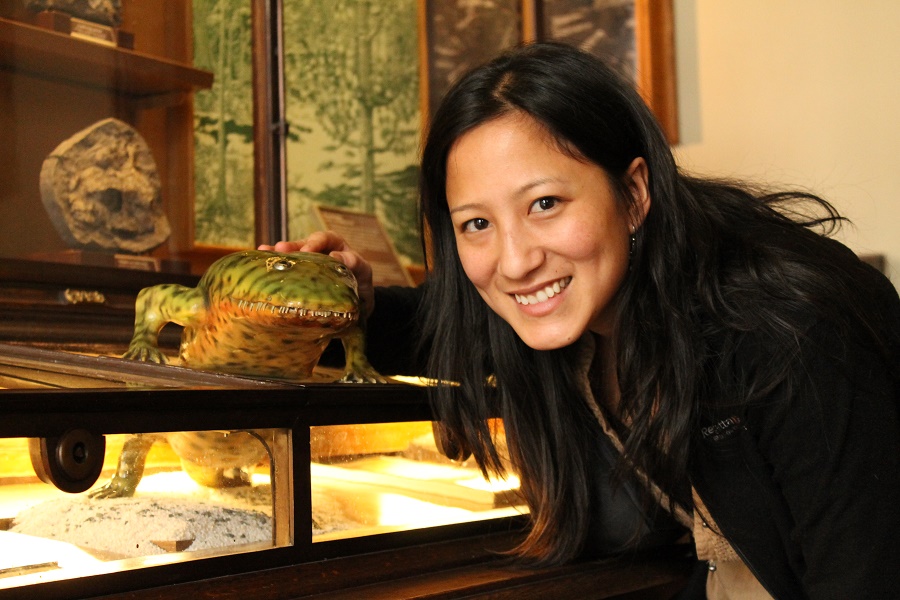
[
  {"x": 156, "y": 306},
  {"x": 358, "y": 369},
  {"x": 130, "y": 469}
]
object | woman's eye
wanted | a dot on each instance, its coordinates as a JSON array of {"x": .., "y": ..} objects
[
  {"x": 545, "y": 203},
  {"x": 475, "y": 224}
]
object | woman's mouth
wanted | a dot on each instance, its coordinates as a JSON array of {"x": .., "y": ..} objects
[{"x": 544, "y": 294}]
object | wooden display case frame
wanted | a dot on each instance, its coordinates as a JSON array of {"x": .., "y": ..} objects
[{"x": 460, "y": 560}]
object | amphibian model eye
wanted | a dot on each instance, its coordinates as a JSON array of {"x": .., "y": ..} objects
[
  {"x": 278, "y": 264},
  {"x": 341, "y": 270}
]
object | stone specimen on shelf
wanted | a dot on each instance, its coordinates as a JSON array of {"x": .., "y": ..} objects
[
  {"x": 107, "y": 12},
  {"x": 102, "y": 191}
]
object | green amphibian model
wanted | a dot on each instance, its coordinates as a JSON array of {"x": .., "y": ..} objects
[
  {"x": 253, "y": 313},
  {"x": 258, "y": 313}
]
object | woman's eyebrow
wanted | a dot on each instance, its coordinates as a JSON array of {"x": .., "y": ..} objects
[{"x": 519, "y": 192}]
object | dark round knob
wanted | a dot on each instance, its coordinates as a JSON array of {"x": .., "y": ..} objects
[{"x": 72, "y": 462}]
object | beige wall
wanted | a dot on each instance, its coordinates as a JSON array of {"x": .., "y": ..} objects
[{"x": 803, "y": 92}]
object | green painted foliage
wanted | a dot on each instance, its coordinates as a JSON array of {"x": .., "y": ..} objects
[
  {"x": 351, "y": 71},
  {"x": 223, "y": 125}
]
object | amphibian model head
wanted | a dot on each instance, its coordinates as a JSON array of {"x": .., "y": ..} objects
[{"x": 258, "y": 313}]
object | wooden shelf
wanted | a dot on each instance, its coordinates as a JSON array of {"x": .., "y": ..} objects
[{"x": 48, "y": 54}]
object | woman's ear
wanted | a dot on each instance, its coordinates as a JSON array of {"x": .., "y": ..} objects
[{"x": 637, "y": 181}]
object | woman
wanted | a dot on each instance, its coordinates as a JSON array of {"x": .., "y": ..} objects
[{"x": 744, "y": 366}]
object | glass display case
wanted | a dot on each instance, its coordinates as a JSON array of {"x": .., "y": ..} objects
[
  {"x": 124, "y": 478},
  {"x": 107, "y": 468},
  {"x": 98, "y": 138}
]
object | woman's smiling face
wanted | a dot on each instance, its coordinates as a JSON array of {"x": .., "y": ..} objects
[{"x": 541, "y": 235}]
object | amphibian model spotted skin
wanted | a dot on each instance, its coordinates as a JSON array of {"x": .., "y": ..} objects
[
  {"x": 258, "y": 313},
  {"x": 253, "y": 313}
]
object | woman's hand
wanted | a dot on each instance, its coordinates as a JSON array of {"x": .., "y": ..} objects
[{"x": 330, "y": 243}]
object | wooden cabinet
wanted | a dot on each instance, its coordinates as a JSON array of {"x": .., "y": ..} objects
[{"x": 53, "y": 85}]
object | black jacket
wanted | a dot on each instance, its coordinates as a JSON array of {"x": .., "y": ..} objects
[{"x": 806, "y": 483}]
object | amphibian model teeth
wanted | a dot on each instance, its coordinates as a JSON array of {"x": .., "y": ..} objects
[{"x": 287, "y": 310}]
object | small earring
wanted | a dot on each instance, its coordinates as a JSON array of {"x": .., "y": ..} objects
[{"x": 632, "y": 242}]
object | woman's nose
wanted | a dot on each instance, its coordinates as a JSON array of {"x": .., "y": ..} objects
[{"x": 520, "y": 254}]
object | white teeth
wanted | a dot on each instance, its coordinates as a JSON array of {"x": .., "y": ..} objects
[
  {"x": 286, "y": 310},
  {"x": 544, "y": 294}
]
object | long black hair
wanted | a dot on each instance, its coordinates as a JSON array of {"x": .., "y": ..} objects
[{"x": 712, "y": 260}]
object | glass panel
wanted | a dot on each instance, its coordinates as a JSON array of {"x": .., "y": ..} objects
[
  {"x": 175, "y": 497},
  {"x": 383, "y": 477}
]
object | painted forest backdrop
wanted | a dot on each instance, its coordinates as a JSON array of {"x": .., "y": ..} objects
[
  {"x": 352, "y": 104},
  {"x": 352, "y": 87},
  {"x": 223, "y": 125}
]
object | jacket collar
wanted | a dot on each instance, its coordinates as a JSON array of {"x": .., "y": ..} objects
[{"x": 587, "y": 348}]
